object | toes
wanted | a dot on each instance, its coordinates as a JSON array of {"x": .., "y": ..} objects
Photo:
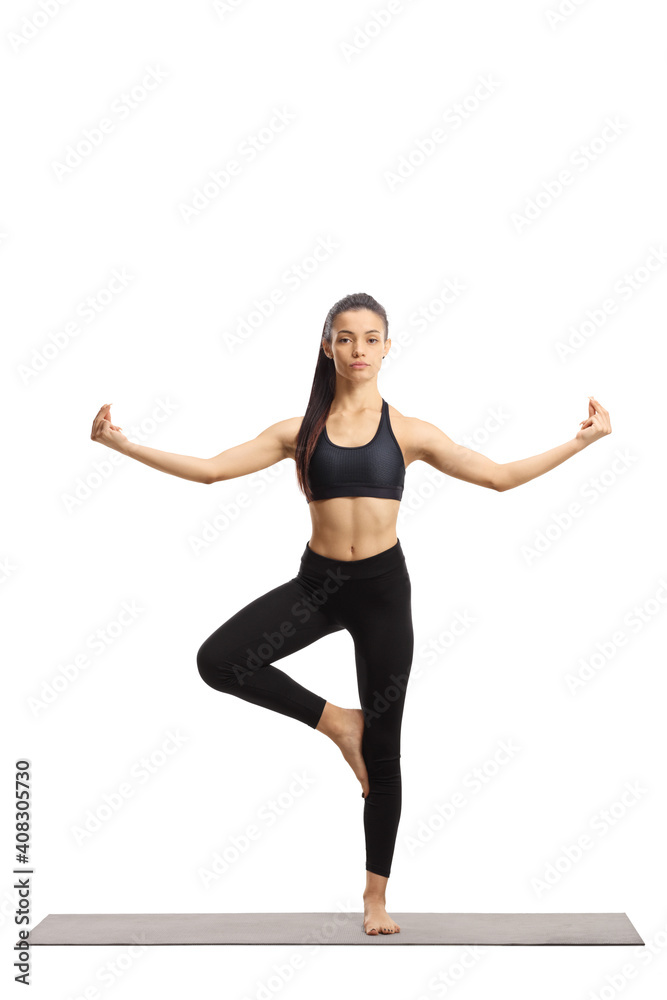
[{"x": 381, "y": 928}]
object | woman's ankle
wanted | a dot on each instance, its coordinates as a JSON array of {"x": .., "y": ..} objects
[
  {"x": 330, "y": 720},
  {"x": 376, "y": 888}
]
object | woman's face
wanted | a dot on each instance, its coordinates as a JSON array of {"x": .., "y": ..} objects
[{"x": 357, "y": 338}]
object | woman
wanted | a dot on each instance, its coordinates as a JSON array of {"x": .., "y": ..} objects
[{"x": 351, "y": 450}]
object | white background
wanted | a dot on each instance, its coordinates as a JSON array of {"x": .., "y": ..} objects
[{"x": 85, "y": 530}]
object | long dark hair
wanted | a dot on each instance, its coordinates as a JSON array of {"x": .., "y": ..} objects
[{"x": 323, "y": 388}]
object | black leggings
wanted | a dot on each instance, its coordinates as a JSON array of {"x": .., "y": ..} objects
[{"x": 371, "y": 599}]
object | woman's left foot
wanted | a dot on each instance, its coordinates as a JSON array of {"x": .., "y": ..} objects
[
  {"x": 345, "y": 726},
  {"x": 376, "y": 918}
]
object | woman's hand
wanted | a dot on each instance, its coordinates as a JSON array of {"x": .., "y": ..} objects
[
  {"x": 107, "y": 433},
  {"x": 596, "y": 425}
]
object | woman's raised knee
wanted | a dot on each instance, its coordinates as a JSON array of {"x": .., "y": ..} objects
[{"x": 217, "y": 670}]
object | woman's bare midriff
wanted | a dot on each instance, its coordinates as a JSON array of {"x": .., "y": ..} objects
[{"x": 348, "y": 528}]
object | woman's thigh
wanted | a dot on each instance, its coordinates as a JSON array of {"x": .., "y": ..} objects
[
  {"x": 279, "y": 622},
  {"x": 383, "y": 636}
]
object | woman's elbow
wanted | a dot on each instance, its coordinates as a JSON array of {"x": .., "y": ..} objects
[{"x": 501, "y": 479}]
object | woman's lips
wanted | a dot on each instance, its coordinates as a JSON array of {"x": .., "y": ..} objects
[{"x": 359, "y": 364}]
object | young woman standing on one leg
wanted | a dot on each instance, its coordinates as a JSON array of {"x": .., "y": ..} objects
[{"x": 351, "y": 451}]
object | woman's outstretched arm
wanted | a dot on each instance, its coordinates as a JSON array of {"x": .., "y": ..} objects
[
  {"x": 269, "y": 447},
  {"x": 456, "y": 460}
]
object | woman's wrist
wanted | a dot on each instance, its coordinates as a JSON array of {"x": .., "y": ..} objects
[{"x": 126, "y": 447}]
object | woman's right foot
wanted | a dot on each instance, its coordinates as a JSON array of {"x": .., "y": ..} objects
[{"x": 345, "y": 726}]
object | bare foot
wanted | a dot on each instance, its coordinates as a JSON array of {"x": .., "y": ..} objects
[
  {"x": 345, "y": 726},
  {"x": 376, "y": 918}
]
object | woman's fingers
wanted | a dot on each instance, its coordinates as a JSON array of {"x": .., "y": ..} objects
[
  {"x": 601, "y": 426},
  {"x": 598, "y": 406},
  {"x": 102, "y": 415},
  {"x": 605, "y": 422},
  {"x": 98, "y": 414},
  {"x": 96, "y": 422}
]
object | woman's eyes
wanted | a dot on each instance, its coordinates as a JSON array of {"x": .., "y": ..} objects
[{"x": 347, "y": 338}]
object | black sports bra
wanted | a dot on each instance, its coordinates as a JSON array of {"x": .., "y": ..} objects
[{"x": 375, "y": 469}]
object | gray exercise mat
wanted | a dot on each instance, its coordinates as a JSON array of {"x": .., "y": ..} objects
[{"x": 333, "y": 928}]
